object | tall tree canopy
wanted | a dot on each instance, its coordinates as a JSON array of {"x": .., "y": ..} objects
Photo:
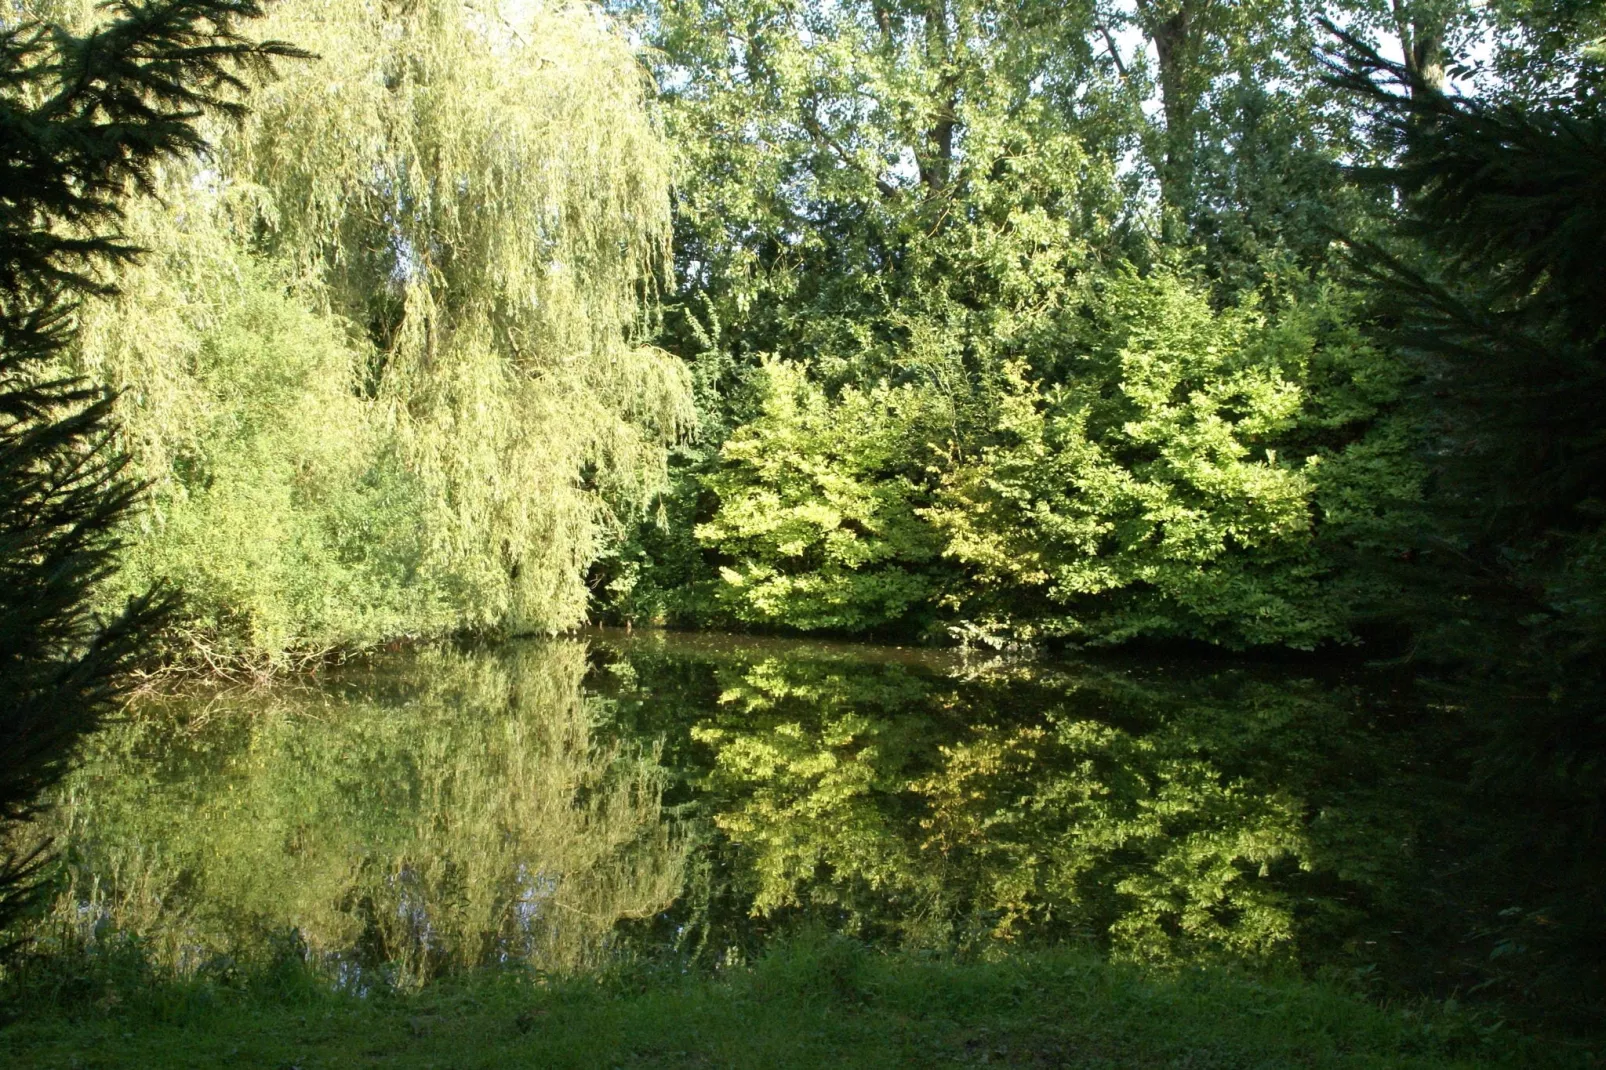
[{"x": 973, "y": 203}]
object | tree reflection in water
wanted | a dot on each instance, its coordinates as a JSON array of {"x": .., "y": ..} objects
[
  {"x": 447, "y": 808},
  {"x": 1168, "y": 814},
  {"x": 438, "y": 810}
]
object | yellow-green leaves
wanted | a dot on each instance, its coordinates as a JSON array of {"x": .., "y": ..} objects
[
  {"x": 456, "y": 219},
  {"x": 1150, "y": 478},
  {"x": 818, "y": 524},
  {"x": 1165, "y": 481}
]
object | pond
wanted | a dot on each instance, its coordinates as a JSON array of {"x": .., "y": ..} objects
[{"x": 562, "y": 804}]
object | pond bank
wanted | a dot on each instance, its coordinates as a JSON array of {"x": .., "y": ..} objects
[{"x": 820, "y": 1003}]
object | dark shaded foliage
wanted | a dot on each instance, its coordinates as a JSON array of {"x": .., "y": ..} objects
[
  {"x": 1493, "y": 292},
  {"x": 85, "y": 121},
  {"x": 1498, "y": 295}
]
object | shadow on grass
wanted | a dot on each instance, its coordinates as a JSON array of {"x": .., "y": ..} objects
[{"x": 816, "y": 1001}]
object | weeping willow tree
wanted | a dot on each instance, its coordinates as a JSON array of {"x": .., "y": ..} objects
[{"x": 383, "y": 366}]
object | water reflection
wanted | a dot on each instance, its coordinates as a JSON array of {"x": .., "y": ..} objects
[
  {"x": 443, "y": 808},
  {"x": 1167, "y": 813}
]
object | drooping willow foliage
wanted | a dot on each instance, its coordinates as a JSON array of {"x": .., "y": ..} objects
[{"x": 382, "y": 365}]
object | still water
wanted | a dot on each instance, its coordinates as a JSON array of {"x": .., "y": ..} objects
[{"x": 560, "y": 804}]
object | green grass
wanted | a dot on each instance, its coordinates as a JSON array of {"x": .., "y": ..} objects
[{"x": 816, "y": 1004}]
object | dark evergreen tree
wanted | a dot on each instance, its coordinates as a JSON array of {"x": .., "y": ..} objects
[
  {"x": 85, "y": 120},
  {"x": 1493, "y": 290},
  {"x": 1508, "y": 205}
]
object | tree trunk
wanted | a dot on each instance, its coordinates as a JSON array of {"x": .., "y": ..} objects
[
  {"x": 1173, "y": 30},
  {"x": 1422, "y": 42}
]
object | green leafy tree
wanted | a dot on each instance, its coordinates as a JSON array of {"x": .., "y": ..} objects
[
  {"x": 819, "y": 520},
  {"x": 278, "y": 503},
  {"x": 1239, "y": 132},
  {"x": 957, "y": 198},
  {"x": 87, "y": 120},
  {"x": 1145, "y": 496},
  {"x": 857, "y": 173},
  {"x": 884, "y": 194},
  {"x": 1195, "y": 43}
]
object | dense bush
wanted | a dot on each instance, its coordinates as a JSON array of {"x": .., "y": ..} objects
[
  {"x": 278, "y": 503},
  {"x": 1169, "y": 484},
  {"x": 1187, "y": 472},
  {"x": 819, "y": 520}
]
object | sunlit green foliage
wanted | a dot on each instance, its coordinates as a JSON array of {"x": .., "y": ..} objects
[
  {"x": 1163, "y": 468},
  {"x": 888, "y": 196},
  {"x": 948, "y": 203},
  {"x": 384, "y": 366},
  {"x": 279, "y": 505},
  {"x": 819, "y": 501},
  {"x": 1160, "y": 488},
  {"x": 880, "y": 187}
]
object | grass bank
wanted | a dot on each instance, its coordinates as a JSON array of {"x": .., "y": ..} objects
[{"x": 820, "y": 1004}]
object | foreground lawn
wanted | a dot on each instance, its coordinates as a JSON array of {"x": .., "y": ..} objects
[{"x": 823, "y": 1005}]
